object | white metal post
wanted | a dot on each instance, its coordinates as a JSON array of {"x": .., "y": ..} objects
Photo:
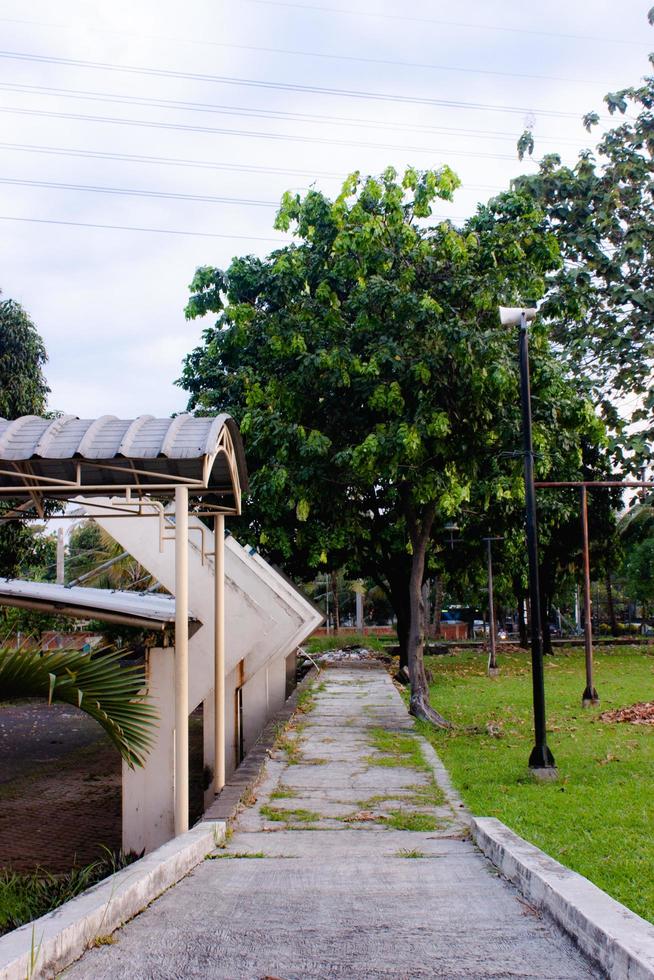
[
  {"x": 358, "y": 598},
  {"x": 219, "y": 651},
  {"x": 181, "y": 660},
  {"x": 61, "y": 546}
]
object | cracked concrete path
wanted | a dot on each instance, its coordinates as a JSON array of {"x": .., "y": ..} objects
[{"x": 350, "y": 863}]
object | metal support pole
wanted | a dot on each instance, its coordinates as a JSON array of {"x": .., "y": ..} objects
[
  {"x": 219, "y": 653},
  {"x": 61, "y": 551},
  {"x": 181, "y": 660},
  {"x": 358, "y": 598},
  {"x": 541, "y": 759},
  {"x": 590, "y": 695}
]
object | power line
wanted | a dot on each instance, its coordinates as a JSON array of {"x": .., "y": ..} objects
[
  {"x": 443, "y": 23},
  {"x": 160, "y": 231},
  {"x": 136, "y": 192},
  {"x": 353, "y": 122},
  {"x": 250, "y": 134},
  {"x": 293, "y": 52},
  {"x": 156, "y": 231},
  {"x": 283, "y": 86},
  {"x": 171, "y": 161},
  {"x": 200, "y": 164}
]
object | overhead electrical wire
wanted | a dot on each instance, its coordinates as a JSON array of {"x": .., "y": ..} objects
[
  {"x": 156, "y": 231},
  {"x": 247, "y": 112},
  {"x": 170, "y": 161},
  {"x": 283, "y": 137},
  {"x": 137, "y": 192},
  {"x": 409, "y": 18},
  {"x": 284, "y": 86},
  {"x": 293, "y": 52},
  {"x": 201, "y": 164}
]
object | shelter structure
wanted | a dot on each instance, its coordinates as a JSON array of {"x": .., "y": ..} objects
[{"x": 146, "y": 461}]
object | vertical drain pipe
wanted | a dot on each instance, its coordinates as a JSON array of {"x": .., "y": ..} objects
[
  {"x": 219, "y": 652},
  {"x": 181, "y": 660}
]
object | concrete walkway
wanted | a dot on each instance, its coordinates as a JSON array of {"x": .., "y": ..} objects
[{"x": 349, "y": 864}]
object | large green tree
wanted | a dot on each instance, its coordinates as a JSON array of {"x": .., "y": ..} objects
[
  {"x": 373, "y": 384},
  {"x": 600, "y": 301},
  {"x": 23, "y": 391}
]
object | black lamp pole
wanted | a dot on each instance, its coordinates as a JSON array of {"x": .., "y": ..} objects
[{"x": 541, "y": 759}]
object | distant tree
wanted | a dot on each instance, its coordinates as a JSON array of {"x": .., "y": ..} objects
[
  {"x": 372, "y": 381},
  {"x": 23, "y": 391},
  {"x": 600, "y": 301}
]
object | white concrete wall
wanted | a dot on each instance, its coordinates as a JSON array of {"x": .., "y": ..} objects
[{"x": 265, "y": 619}]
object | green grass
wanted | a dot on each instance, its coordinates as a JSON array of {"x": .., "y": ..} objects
[
  {"x": 405, "y": 852},
  {"x": 397, "y": 750},
  {"x": 286, "y": 816},
  {"x": 598, "y": 818},
  {"x": 412, "y": 820},
  {"x": 320, "y": 644},
  {"x": 24, "y": 897},
  {"x": 283, "y": 792}
]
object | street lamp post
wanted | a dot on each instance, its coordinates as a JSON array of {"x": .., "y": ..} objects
[{"x": 541, "y": 760}]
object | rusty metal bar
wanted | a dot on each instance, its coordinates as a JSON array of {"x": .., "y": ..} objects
[
  {"x": 548, "y": 484},
  {"x": 590, "y": 695}
]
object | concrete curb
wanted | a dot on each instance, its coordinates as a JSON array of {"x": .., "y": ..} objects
[
  {"x": 442, "y": 777},
  {"x": 609, "y": 933},
  {"x": 46, "y": 946},
  {"x": 227, "y": 804}
]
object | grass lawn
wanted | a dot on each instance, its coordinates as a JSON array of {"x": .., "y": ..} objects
[{"x": 599, "y": 817}]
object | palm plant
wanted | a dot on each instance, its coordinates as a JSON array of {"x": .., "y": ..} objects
[{"x": 100, "y": 685}]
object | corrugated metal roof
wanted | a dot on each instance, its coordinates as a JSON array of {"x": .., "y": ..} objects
[
  {"x": 108, "y": 605},
  {"x": 52, "y": 450}
]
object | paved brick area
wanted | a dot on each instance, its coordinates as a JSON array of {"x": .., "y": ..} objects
[{"x": 58, "y": 813}]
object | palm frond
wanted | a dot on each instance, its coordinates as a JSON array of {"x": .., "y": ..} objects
[{"x": 110, "y": 692}]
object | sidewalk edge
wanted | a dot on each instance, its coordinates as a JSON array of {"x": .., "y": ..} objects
[{"x": 620, "y": 941}]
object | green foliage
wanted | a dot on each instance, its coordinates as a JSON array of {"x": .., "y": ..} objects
[
  {"x": 108, "y": 691},
  {"x": 374, "y": 386},
  {"x": 597, "y": 818},
  {"x": 23, "y": 391},
  {"x": 600, "y": 300},
  {"x": 24, "y": 897}
]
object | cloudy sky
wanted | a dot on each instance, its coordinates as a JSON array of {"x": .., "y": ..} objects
[{"x": 141, "y": 139}]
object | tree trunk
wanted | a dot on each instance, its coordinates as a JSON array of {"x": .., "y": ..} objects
[
  {"x": 419, "y": 705},
  {"x": 610, "y": 605}
]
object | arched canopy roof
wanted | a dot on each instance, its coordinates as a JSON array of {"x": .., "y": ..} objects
[{"x": 67, "y": 456}]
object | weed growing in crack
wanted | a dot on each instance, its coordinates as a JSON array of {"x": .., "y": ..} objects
[
  {"x": 415, "y": 820},
  {"x": 285, "y": 816},
  {"x": 283, "y": 792}
]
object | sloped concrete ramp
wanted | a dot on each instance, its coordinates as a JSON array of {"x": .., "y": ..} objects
[{"x": 320, "y": 881}]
